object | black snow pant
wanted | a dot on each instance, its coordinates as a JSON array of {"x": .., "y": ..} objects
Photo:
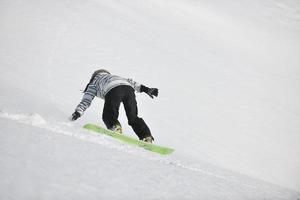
[{"x": 124, "y": 94}]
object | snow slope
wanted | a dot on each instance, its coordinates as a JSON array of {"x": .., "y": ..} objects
[{"x": 228, "y": 74}]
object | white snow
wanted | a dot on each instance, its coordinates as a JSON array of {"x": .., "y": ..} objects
[{"x": 228, "y": 76}]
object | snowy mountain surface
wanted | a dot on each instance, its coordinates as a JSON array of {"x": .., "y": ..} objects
[{"x": 228, "y": 78}]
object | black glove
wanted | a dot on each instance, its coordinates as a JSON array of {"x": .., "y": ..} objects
[
  {"x": 150, "y": 91},
  {"x": 75, "y": 116}
]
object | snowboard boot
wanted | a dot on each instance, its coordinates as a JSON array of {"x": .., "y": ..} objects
[
  {"x": 117, "y": 128},
  {"x": 148, "y": 139}
]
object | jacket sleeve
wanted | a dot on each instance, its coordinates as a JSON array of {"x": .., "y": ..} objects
[
  {"x": 87, "y": 99},
  {"x": 135, "y": 85}
]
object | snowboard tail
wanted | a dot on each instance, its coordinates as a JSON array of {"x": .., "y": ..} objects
[{"x": 130, "y": 140}]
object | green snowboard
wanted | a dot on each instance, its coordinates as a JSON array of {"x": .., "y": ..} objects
[{"x": 130, "y": 140}]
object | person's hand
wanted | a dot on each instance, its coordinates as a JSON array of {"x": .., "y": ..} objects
[
  {"x": 150, "y": 91},
  {"x": 75, "y": 116}
]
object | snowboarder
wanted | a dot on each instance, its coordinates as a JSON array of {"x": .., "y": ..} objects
[{"x": 116, "y": 90}]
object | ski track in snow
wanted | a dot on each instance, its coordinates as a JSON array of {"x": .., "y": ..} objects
[{"x": 67, "y": 128}]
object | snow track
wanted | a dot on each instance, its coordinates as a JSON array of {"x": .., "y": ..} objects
[
  {"x": 71, "y": 145},
  {"x": 69, "y": 129}
]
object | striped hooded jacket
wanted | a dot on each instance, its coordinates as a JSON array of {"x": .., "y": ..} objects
[{"x": 100, "y": 85}]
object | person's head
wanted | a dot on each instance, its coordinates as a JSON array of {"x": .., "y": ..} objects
[{"x": 99, "y": 71}]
